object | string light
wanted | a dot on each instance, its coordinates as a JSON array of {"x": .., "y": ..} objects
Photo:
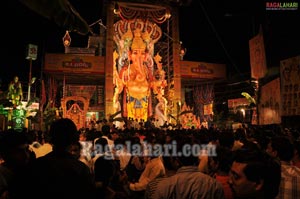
[
  {"x": 168, "y": 14},
  {"x": 116, "y": 9},
  {"x": 182, "y": 51}
]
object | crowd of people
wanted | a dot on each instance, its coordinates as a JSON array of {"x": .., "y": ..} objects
[{"x": 149, "y": 163}]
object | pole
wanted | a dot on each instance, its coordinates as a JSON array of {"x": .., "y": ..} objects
[{"x": 29, "y": 80}]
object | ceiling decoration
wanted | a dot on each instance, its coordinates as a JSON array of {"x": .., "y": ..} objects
[{"x": 157, "y": 14}]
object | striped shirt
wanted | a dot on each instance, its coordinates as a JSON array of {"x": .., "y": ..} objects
[
  {"x": 290, "y": 182},
  {"x": 187, "y": 183}
]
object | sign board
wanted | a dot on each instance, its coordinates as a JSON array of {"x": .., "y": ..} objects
[
  {"x": 32, "y": 109},
  {"x": 18, "y": 119},
  {"x": 69, "y": 63},
  {"x": 290, "y": 86},
  {"x": 202, "y": 70},
  {"x": 32, "y": 52}
]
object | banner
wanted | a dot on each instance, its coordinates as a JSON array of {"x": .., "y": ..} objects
[
  {"x": 43, "y": 94},
  {"x": 290, "y": 86},
  {"x": 270, "y": 102},
  {"x": 196, "y": 70},
  {"x": 234, "y": 103},
  {"x": 257, "y": 56},
  {"x": 72, "y": 64}
]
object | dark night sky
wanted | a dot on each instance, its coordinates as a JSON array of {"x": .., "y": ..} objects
[{"x": 212, "y": 31}]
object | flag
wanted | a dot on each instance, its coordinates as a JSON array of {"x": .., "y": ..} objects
[
  {"x": 258, "y": 56},
  {"x": 43, "y": 97}
]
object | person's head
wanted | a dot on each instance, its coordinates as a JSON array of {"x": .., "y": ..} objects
[
  {"x": 254, "y": 174},
  {"x": 297, "y": 149},
  {"x": 63, "y": 133},
  {"x": 119, "y": 143},
  {"x": 114, "y": 135},
  {"x": 135, "y": 145},
  {"x": 226, "y": 138},
  {"x": 186, "y": 150},
  {"x": 105, "y": 129},
  {"x": 281, "y": 147},
  {"x": 75, "y": 150},
  {"x": 101, "y": 146},
  {"x": 240, "y": 134},
  {"x": 221, "y": 163},
  {"x": 14, "y": 148}
]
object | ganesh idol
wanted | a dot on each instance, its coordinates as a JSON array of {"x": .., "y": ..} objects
[
  {"x": 134, "y": 68},
  {"x": 139, "y": 78}
]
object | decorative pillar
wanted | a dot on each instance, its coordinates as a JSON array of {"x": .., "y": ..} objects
[
  {"x": 176, "y": 57},
  {"x": 109, "y": 60}
]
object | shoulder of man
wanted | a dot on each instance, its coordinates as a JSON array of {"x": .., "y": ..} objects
[{"x": 153, "y": 186}]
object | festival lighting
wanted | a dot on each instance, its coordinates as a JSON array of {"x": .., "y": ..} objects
[{"x": 67, "y": 39}]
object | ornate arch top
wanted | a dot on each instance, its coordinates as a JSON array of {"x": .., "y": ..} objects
[{"x": 155, "y": 13}]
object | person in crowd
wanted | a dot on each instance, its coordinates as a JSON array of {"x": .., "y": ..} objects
[
  {"x": 39, "y": 143},
  {"x": 239, "y": 138},
  {"x": 114, "y": 135},
  {"x": 168, "y": 159},
  {"x": 46, "y": 146},
  {"x": 219, "y": 167},
  {"x": 35, "y": 139},
  {"x": 204, "y": 139},
  {"x": 136, "y": 164},
  {"x": 188, "y": 182},
  {"x": 226, "y": 138},
  {"x": 296, "y": 158},
  {"x": 14, "y": 150},
  {"x": 59, "y": 174},
  {"x": 254, "y": 174},
  {"x": 79, "y": 152},
  {"x": 154, "y": 169},
  {"x": 106, "y": 133},
  {"x": 75, "y": 150},
  {"x": 121, "y": 152},
  {"x": 3, "y": 188},
  {"x": 104, "y": 166},
  {"x": 282, "y": 148},
  {"x": 108, "y": 178}
]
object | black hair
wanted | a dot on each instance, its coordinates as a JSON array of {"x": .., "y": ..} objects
[
  {"x": 261, "y": 167},
  {"x": 105, "y": 129},
  {"x": 10, "y": 139},
  {"x": 63, "y": 132},
  {"x": 284, "y": 147},
  {"x": 186, "y": 158},
  {"x": 224, "y": 158}
]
